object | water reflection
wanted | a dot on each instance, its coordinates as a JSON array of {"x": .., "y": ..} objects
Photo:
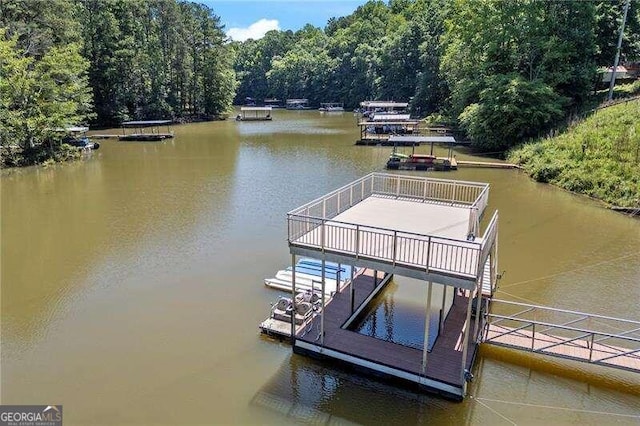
[
  {"x": 59, "y": 224},
  {"x": 134, "y": 280},
  {"x": 309, "y": 391},
  {"x": 398, "y": 314}
]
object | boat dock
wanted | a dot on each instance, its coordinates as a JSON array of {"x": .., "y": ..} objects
[
  {"x": 413, "y": 161},
  {"x": 105, "y": 136},
  {"x": 487, "y": 164},
  {"x": 140, "y": 135},
  {"x": 429, "y": 230},
  {"x": 253, "y": 113},
  {"x": 422, "y": 228}
]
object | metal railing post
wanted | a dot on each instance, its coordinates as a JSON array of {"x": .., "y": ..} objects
[
  {"x": 591, "y": 347},
  {"x": 293, "y": 298},
  {"x": 397, "y": 187},
  {"x": 453, "y": 193},
  {"x": 322, "y": 237},
  {"x": 533, "y": 337},
  {"x": 428, "y": 254},
  {"x": 395, "y": 246},
  {"x": 357, "y": 241}
]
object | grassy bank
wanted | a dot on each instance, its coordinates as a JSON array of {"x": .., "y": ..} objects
[{"x": 598, "y": 156}]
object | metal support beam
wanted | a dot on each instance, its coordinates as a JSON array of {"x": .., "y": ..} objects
[
  {"x": 352, "y": 288},
  {"x": 444, "y": 303},
  {"x": 293, "y": 299},
  {"x": 465, "y": 340},
  {"x": 427, "y": 321},
  {"x": 323, "y": 303},
  {"x": 478, "y": 306}
]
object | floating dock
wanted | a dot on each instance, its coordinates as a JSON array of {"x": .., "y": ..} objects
[
  {"x": 413, "y": 161},
  {"x": 251, "y": 113},
  {"x": 487, "y": 164},
  {"x": 422, "y": 228},
  {"x": 139, "y": 135},
  {"x": 309, "y": 276}
]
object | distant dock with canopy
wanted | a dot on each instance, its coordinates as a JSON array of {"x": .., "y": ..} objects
[
  {"x": 146, "y": 131},
  {"x": 253, "y": 113}
]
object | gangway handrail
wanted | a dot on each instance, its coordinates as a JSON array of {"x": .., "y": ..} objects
[
  {"x": 562, "y": 327},
  {"x": 524, "y": 311},
  {"x": 624, "y": 332},
  {"x": 566, "y": 311}
]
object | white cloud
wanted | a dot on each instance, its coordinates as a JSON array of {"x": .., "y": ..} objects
[{"x": 255, "y": 31}]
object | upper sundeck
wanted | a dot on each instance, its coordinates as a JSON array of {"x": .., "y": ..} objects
[{"x": 419, "y": 227}]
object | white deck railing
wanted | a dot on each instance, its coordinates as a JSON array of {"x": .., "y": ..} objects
[
  {"x": 312, "y": 224},
  {"x": 473, "y": 195},
  {"x": 425, "y": 252}
]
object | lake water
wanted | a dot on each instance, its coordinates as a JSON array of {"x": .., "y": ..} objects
[{"x": 132, "y": 285}]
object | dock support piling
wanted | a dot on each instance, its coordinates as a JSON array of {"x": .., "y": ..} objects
[
  {"x": 465, "y": 340},
  {"x": 351, "y": 288},
  {"x": 478, "y": 305},
  {"x": 293, "y": 299},
  {"x": 323, "y": 303},
  {"x": 444, "y": 303},
  {"x": 427, "y": 323}
]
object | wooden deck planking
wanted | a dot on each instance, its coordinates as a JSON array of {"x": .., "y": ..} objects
[
  {"x": 577, "y": 349},
  {"x": 443, "y": 362}
]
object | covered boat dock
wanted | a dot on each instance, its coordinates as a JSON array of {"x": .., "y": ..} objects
[
  {"x": 297, "y": 104},
  {"x": 152, "y": 133},
  {"x": 413, "y": 161},
  {"x": 422, "y": 228},
  {"x": 254, "y": 114},
  {"x": 378, "y": 128}
]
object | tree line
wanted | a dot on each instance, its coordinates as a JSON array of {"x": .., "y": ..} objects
[
  {"x": 67, "y": 62},
  {"x": 502, "y": 70}
]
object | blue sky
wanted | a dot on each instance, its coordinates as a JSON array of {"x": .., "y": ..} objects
[{"x": 252, "y": 18}]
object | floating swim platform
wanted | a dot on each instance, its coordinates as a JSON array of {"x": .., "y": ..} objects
[{"x": 309, "y": 276}]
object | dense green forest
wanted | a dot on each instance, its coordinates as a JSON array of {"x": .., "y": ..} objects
[
  {"x": 503, "y": 70},
  {"x": 68, "y": 62}
]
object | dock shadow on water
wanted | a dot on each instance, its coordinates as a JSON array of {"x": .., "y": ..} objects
[{"x": 308, "y": 391}]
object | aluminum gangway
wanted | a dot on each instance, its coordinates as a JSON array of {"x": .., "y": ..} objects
[{"x": 594, "y": 339}]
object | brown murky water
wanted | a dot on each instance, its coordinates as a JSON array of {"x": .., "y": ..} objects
[{"x": 132, "y": 286}]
